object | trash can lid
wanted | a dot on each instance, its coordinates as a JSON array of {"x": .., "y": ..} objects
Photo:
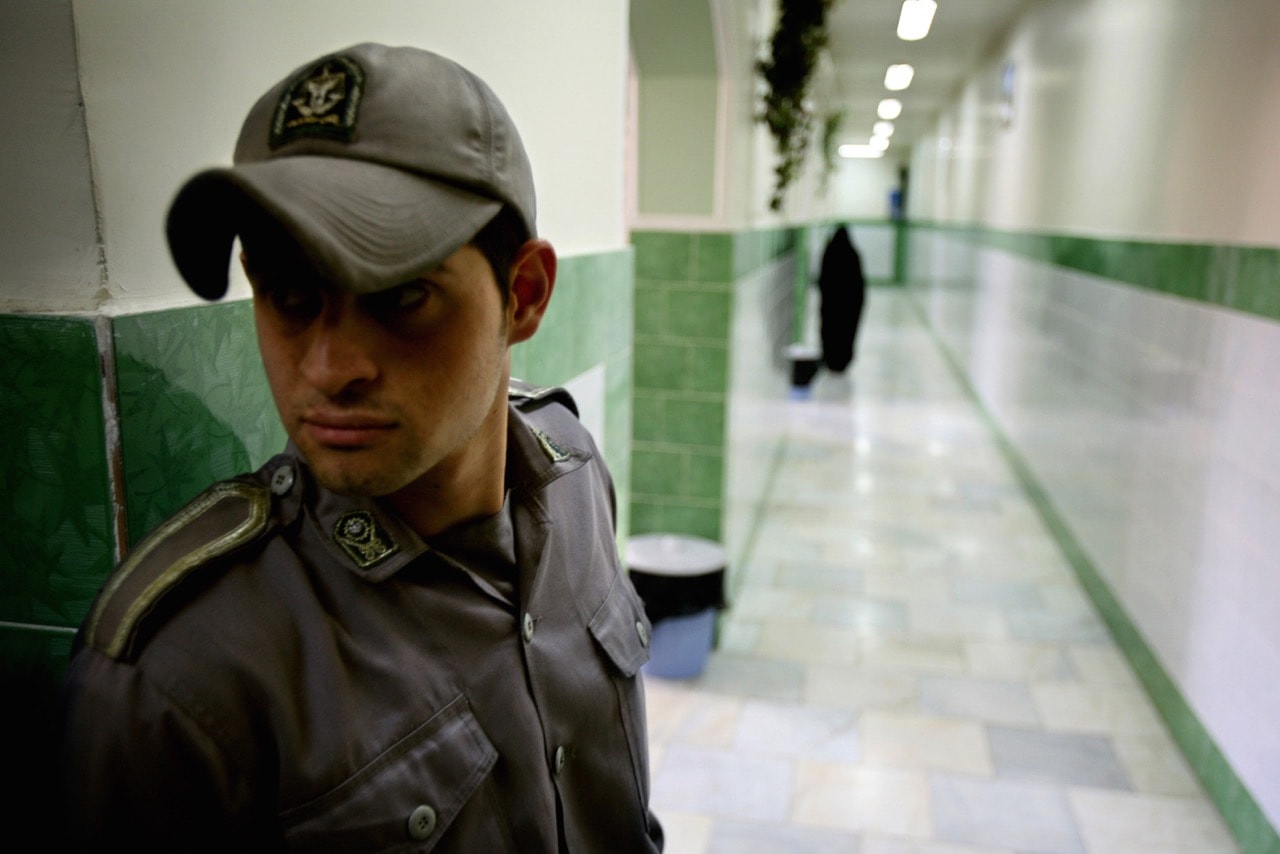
[
  {"x": 803, "y": 351},
  {"x": 674, "y": 554}
]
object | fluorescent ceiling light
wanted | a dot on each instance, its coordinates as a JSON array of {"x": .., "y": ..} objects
[
  {"x": 889, "y": 108},
  {"x": 864, "y": 151},
  {"x": 898, "y": 77},
  {"x": 880, "y": 143},
  {"x": 916, "y": 18},
  {"x": 884, "y": 129}
]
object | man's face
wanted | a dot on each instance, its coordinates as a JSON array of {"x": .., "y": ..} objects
[{"x": 382, "y": 392}]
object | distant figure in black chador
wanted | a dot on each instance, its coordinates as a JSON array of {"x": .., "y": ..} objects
[{"x": 843, "y": 289}]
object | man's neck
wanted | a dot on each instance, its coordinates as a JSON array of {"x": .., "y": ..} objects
[{"x": 470, "y": 486}]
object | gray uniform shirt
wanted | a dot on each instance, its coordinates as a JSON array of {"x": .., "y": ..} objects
[{"x": 307, "y": 673}]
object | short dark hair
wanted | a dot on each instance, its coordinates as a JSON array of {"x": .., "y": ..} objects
[{"x": 498, "y": 242}]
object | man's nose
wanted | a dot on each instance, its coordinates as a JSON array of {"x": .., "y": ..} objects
[{"x": 338, "y": 359}]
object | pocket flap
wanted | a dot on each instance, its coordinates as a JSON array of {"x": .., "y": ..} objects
[
  {"x": 407, "y": 796},
  {"x": 621, "y": 627}
]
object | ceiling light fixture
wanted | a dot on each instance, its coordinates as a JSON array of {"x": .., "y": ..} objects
[
  {"x": 879, "y": 143},
  {"x": 884, "y": 129},
  {"x": 889, "y": 109},
  {"x": 898, "y": 77},
  {"x": 862, "y": 151},
  {"x": 916, "y": 18}
]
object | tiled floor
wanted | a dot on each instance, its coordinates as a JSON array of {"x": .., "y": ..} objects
[{"x": 908, "y": 664}]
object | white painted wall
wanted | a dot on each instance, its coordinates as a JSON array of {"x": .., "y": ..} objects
[
  {"x": 1151, "y": 421},
  {"x": 859, "y": 188},
  {"x": 1137, "y": 118},
  {"x": 166, "y": 84},
  {"x": 48, "y": 236}
]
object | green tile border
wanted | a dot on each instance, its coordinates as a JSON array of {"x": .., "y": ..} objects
[
  {"x": 59, "y": 538},
  {"x": 194, "y": 405},
  {"x": 1243, "y": 278},
  {"x": 1238, "y": 808},
  {"x": 685, "y": 284}
]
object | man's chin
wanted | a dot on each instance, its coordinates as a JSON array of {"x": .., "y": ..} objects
[{"x": 353, "y": 481}]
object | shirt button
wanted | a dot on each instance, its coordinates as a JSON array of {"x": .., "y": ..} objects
[
  {"x": 528, "y": 627},
  {"x": 422, "y": 822},
  {"x": 282, "y": 480},
  {"x": 643, "y": 633},
  {"x": 561, "y": 756}
]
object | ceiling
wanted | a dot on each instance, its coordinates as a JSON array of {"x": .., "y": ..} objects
[{"x": 863, "y": 42}]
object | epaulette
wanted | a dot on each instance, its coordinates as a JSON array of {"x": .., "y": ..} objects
[
  {"x": 521, "y": 391},
  {"x": 223, "y": 517}
]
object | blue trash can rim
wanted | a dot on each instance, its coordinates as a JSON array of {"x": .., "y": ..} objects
[{"x": 674, "y": 554}]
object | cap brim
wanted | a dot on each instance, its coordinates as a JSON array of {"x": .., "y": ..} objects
[{"x": 362, "y": 226}]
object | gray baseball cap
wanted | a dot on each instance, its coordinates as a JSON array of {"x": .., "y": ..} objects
[{"x": 378, "y": 162}]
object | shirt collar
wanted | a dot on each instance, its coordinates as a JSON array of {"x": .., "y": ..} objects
[{"x": 375, "y": 543}]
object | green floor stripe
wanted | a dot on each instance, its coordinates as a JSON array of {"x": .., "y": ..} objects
[{"x": 1238, "y": 808}]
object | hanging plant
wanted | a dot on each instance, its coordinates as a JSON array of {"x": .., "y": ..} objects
[
  {"x": 830, "y": 128},
  {"x": 800, "y": 36}
]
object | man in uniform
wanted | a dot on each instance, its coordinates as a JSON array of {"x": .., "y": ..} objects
[{"x": 410, "y": 630}]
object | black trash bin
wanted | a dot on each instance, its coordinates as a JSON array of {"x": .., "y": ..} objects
[
  {"x": 680, "y": 578},
  {"x": 805, "y": 360}
]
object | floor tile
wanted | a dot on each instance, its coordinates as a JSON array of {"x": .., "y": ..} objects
[
  {"x": 793, "y": 730},
  {"x": 989, "y": 700},
  {"x": 1018, "y": 660},
  {"x": 1022, "y": 816},
  {"x": 1123, "y": 823},
  {"x": 752, "y": 676},
  {"x": 730, "y": 837},
  {"x": 926, "y": 743},
  {"x": 908, "y": 664},
  {"x": 1103, "y": 709},
  {"x": 686, "y": 833},
  {"x": 1155, "y": 766},
  {"x": 883, "y": 800},
  {"x": 722, "y": 783},
  {"x": 861, "y": 688},
  {"x": 875, "y": 844},
  {"x": 1067, "y": 758}
]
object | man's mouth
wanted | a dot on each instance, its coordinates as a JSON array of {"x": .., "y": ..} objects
[{"x": 346, "y": 429}]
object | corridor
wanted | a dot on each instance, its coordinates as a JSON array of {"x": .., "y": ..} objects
[{"x": 908, "y": 663}]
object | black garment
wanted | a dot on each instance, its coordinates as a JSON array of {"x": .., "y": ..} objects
[{"x": 843, "y": 289}]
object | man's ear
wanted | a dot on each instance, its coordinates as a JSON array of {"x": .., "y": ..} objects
[{"x": 533, "y": 277}]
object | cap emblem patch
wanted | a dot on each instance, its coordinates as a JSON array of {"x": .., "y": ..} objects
[
  {"x": 320, "y": 102},
  {"x": 363, "y": 539}
]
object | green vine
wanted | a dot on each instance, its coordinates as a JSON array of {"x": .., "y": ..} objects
[
  {"x": 830, "y": 129},
  {"x": 800, "y": 36}
]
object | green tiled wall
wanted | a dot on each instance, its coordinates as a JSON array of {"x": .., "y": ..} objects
[
  {"x": 57, "y": 541},
  {"x": 589, "y": 324},
  {"x": 683, "y": 306},
  {"x": 1244, "y": 278},
  {"x": 194, "y": 407}
]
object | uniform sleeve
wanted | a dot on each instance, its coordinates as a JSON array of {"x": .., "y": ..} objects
[{"x": 139, "y": 770}]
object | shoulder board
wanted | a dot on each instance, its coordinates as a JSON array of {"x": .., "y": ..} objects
[
  {"x": 222, "y": 518},
  {"x": 522, "y": 392}
]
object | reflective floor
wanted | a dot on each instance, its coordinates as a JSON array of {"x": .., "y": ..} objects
[{"x": 908, "y": 663}]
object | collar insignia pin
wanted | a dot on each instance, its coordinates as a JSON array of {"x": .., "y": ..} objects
[
  {"x": 551, "y": 448},
  {"x": 363, "y": 539}
]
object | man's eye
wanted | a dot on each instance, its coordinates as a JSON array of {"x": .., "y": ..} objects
[
  {"x": 398, "y": 299},
  {"x": 295, "y": 302}
]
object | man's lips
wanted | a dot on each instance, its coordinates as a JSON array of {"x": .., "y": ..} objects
[{"x": 346, "y": 429}]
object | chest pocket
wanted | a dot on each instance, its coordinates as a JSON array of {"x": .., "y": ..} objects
[
  {"x": 621, "y": 628},
  {"x": 408, "y": 797}
]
